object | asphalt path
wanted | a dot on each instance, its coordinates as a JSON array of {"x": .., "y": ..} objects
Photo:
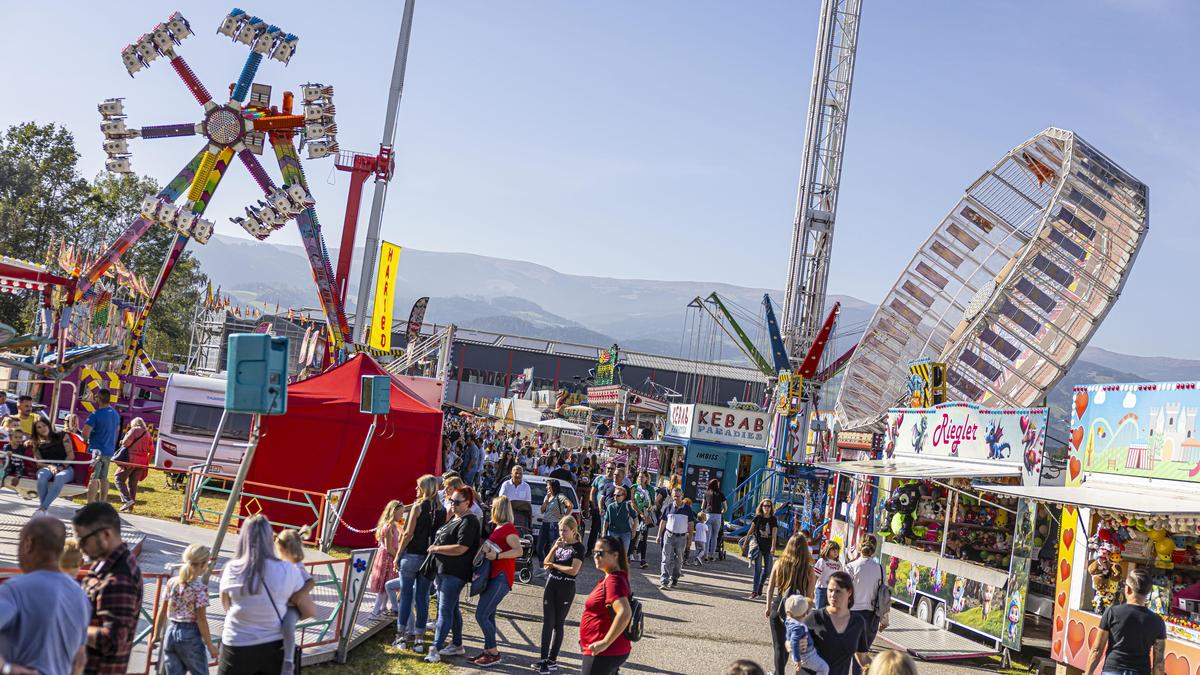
[{"x": 701, "y": 626}]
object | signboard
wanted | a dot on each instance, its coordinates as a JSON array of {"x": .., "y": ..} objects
[
  {"x": 606, "y": 363},
  {"x": 696, "y": 480},
  {"x": 385, "y": 290},
  {"x": 1146, "y": 430},
  {"x": 722, "y": 425},
  {"x": 968, "y": 431}
]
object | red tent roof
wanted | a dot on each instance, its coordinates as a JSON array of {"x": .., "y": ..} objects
[{"x": 340, "y": 386}]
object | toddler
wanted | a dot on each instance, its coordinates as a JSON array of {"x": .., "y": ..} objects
[
  {"x": 700, "y": 541},
  {"x": 796, "y": 608},
  {"x": 184, "y": 617},
  {"x": 14, "y": 466},
  {"x": 72, "y": 558},
  {"x": 289, "y": 549}
]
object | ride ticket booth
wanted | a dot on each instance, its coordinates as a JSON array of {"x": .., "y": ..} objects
[
  {"x": 724, "y": 443},
  {"x": 957, "y": 560},
  {"x": 1130, "y": 501}
]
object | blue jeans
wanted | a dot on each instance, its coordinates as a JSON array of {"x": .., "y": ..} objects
[
  {"x": 625, "y": 538},
  {"x": 184, "y": 650},
  {"x": 762, "y": 571},
  {"x": 449, "y": 618},
  {"x": 485, "y": 610},
  {"x": 546, "y": 536},
  {"x": 49, "y": 485},
  {"x": 413, "y": 589},
  {"x": 714, "y": 534},
  {"x": 822, "y": 597}
]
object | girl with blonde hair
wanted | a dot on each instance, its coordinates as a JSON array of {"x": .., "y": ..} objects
[
  {"x": 562, "y": 565},
  {"x": 186, "y": 610},
  {"x": 383, "y": 569},
  {"x": 410, "y": 590},
  {"x": 893, "y": 663},
  {"x": 502, "y": 547}
]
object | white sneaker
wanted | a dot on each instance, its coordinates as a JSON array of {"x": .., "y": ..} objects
[
  {"x": 454, "y": 650},
  {"x": 432, "y": 656},
  {"x": 39, "y": 512}
]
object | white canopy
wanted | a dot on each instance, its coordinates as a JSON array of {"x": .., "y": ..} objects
[
  {"x": 1145, "y": 499},
  {"x": 931, "y": 468},
  {"x": 560, "y": 424}
]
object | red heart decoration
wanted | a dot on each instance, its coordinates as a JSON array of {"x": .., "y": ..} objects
[
  {"x": 1076, "y": 437},
  {"x": 1075, "y": 636},
  {"x": 1056, "y": 651},
  {"x": 1074, "y": 467},
  {"x": 1058, "y": 624},
  {"x": 1068, "y": 538},
  {"x": 1092, "y": 636},
  {"x": 1177, "y": 665},
  {"x": 1064, "y": 568},
  {"x": 1081, "y": 404},
  {"x": 1062, "y": 602}
]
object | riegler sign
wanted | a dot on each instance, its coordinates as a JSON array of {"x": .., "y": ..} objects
[
  {"x": 967, "y": 431},
  {"x": 722, "y": 425}
]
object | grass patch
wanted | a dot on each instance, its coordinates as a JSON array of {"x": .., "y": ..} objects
[
  {"x": 377, "y": 656},
  {"x": 156, "y": 499}
]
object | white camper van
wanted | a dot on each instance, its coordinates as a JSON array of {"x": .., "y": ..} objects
[{"x": 191, "y": 411}]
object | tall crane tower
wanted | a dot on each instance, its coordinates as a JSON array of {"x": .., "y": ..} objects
[{"x": 816, "y": 200}]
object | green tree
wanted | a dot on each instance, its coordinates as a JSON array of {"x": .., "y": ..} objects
[{"x": 43, "y": 201}]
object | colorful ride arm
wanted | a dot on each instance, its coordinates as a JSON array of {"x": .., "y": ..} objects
[{"x": 746, "y": 345}]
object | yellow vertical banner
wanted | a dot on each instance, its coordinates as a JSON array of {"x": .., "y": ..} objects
[{"x": 385, "y": 291}]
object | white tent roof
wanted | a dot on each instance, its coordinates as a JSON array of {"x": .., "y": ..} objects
[
  {"x": 560, "y": 424},
  {"x": 1146, "y": 499},
  {"x": 931, "y": 468}
]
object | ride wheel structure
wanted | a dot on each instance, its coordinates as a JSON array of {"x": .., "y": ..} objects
[{"x": 1010, "y": 286}]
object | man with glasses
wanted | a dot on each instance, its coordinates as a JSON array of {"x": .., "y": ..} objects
[
  {"x": 675, "y": 531},
  {"x": 113, "y": 587},
  {"x": 43, "y": 612},
  {"x": 600, "y": 485}
]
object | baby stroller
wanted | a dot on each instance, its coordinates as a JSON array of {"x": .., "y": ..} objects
[{"x": 523, "y": 520}]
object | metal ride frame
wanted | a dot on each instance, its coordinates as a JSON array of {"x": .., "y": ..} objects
[
  {"x": 198, "y": 482},
  {"x": 228, "y": 129}
]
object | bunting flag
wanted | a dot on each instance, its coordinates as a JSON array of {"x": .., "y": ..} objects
[{"x": 208, "y": 295}]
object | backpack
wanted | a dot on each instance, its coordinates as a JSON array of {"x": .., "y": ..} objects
[
  {"x": 637, "y": 620},
  {"x": 883, "y": 597}
]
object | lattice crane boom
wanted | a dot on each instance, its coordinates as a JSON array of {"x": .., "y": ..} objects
[{"x": 816, "y": 201}]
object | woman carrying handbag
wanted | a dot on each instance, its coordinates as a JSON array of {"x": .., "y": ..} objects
[{"x": 133, "y": 461}]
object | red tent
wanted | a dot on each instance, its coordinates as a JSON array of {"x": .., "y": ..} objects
[{"x": 316, "y": 444}]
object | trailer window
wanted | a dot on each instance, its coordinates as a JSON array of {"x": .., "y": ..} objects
[{"x": 196, "y": 419}]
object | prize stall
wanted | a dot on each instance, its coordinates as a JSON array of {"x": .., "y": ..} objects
[
  {"x": 954, "y": 556},
  {"x": 627, "y": 407},
  {"x": 724, "y": 443},
  {"x": 1130, "y": 501},
  {"x": 659, "y": 458}
]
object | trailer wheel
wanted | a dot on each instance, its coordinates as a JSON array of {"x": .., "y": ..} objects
[
  {"x": 939, "y": 616},
  {"x": 525, "y": 575},
  {"x": 925, "y": 609}
]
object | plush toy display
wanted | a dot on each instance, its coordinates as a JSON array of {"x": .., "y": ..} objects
[
  {"x": 1106, "y": 575},
  {"x": 903, "y": 505}
]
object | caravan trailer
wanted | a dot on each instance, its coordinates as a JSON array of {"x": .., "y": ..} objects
[{"x": 191, "y": 411}]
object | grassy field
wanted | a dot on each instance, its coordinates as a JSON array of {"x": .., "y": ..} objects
[
  {"x": 156, "y": 499},
  {"x": 377, "y": 656}
]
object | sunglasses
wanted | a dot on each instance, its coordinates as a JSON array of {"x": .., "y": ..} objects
[
  {"x": 91, "y": 534},
  {"x": 599, "y": 553},
  {"x": 456, "y": 502}
]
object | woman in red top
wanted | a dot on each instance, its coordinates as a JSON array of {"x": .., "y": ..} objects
[
  {"x": 503, "y": 547},
  {"x": 606, "y": 611}
]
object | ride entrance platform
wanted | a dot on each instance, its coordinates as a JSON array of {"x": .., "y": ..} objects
[{"x": 925, "y": 641}]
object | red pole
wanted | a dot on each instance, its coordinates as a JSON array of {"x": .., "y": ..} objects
[{"x": 349, "y": 228}]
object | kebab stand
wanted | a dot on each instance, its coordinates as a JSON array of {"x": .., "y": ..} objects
[
  {"x": 951, "y": 556},
  {"x": 1130, "y": 500},
  {"x": 728, "y": 444}
]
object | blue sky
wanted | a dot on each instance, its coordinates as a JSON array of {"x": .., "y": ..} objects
[{"x": 662, "y": 140}]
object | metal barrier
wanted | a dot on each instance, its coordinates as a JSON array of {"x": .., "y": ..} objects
[
  {"x": 329, "y": 595},
  {"x": 198, "y": 483}
]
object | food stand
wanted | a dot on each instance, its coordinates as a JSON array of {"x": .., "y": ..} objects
[
  {"x": 953, "y": 556},
  {"x": 728, "y": 444},
  {"x": 1130, "y": 500}
]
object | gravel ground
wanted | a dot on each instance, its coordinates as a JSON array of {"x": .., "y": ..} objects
[{"x": 699, "y": 627}]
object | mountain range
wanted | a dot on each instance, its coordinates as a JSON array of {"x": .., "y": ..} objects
[{"x": 522, "y": 298}]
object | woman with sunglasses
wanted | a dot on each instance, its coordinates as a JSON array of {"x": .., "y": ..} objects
[
  {"x": 764, "y": 528},
  {"x": 619, "y": 517},
  {"x": 606, "y": 612},
  {"x": 839, "y": 635},
  {"x": 454, "y": 548}
]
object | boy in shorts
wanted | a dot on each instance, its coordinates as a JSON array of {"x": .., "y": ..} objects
[{"x": 14, "y": 466}]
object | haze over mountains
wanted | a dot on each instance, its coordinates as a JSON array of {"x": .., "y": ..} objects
[{"x": 521, "y": 298}]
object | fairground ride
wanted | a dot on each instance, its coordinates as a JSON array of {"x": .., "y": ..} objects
[
  {"x": 1010, "y": 286},
  {"x": 236, "y": 127}
]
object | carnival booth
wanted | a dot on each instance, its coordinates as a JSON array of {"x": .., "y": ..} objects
[
  {"x": 953, "y": 556},
  {"x": 1130, "y": 500},
  {"x": 724, "y": 443},
  {"x": 660, "y": 458},
  {"x": 627, "y": 405},
  {"x": 316, "y": 444}
]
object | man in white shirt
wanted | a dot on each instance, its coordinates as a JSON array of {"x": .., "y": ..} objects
[{"x": 516, "y": 489}]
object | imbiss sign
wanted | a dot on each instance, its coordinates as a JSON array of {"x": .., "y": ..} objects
[{"x": 723, "y": 425}]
